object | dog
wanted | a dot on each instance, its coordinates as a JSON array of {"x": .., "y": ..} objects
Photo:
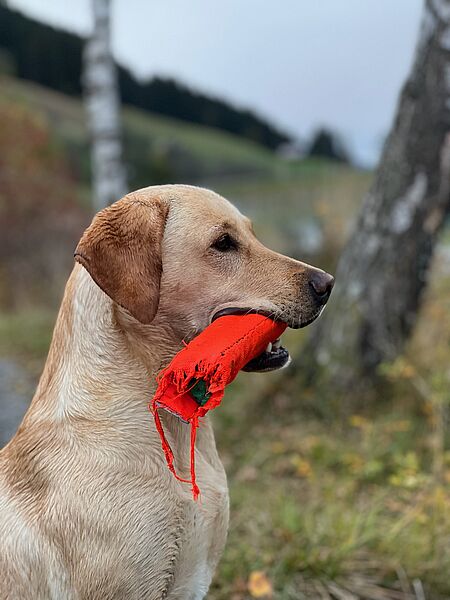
[{"x": 88, "y": 508}]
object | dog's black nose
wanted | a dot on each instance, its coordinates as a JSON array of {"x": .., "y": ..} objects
[{"x": 322, "y": 283}]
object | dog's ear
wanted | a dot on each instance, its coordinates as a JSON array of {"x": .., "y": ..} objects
[{"x": 121, "y": 250}]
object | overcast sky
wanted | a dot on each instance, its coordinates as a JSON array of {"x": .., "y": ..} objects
[{"x": 301, "y": 63}]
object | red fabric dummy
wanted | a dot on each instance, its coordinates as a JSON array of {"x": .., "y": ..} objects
[{"x": 210, "y": 362}]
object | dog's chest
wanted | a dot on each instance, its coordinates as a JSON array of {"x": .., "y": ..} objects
[
  {"x": 203, "y": 543},
  {"x": 142, "y": 542}
]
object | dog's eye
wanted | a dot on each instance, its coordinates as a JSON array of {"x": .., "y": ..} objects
[{"x": 224, "y": 243}]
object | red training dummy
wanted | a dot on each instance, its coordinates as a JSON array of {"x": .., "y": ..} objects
[{"x": 195, "y": 380}]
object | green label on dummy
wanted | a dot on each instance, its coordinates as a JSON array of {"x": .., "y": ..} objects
[{"x": 199, "y": 391}]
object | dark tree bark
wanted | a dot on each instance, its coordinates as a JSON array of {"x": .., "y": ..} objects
[
  {"x": 102, "y": 102},
  {"x": 383, "y": 269}
]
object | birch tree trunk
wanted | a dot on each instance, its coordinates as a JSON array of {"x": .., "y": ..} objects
[
  {"x": 102, "y": 106},
  {"x": 383, "y": 269}
]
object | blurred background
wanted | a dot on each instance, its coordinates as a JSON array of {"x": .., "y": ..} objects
[{"x": 328, "y": 124}]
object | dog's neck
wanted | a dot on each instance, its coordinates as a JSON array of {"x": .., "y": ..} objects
[{"x": 102, "y": 365}]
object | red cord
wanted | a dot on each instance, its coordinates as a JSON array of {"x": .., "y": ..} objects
[
  {"x": 169, "y": 453},
  {"x": 195, "y": 488}
]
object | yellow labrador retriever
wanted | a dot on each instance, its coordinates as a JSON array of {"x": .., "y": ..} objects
[{"x": 88, "y": 508}]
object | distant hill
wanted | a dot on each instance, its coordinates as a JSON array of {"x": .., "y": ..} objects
[
  {"x": 53, "y": 58},
  {"x": 157, "y": 149}
]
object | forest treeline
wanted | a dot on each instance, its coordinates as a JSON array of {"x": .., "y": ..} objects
[{"x": 53, "y": 58}]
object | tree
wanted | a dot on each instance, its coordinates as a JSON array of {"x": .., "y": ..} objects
[
  {"x": 383, "y": 269},
  {"x": 102, "y": 105},
  {"x": 326, "y": 144}
]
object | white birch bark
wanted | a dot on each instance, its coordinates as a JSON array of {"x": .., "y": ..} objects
[
  {"x": 383, "y": 270},
  {"x": 102, "y": 104}
]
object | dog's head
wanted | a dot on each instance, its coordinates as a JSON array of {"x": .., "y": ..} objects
[{"x": 185, "y": 255}]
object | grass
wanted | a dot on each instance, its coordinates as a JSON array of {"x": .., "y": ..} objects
[
  {"x": 348, "y": 505},
  {"x": 213, "y": 148},
  {"x": 25, "y": 336}
]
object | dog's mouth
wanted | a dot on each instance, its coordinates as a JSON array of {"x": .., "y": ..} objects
[{"x": 274, "y": 356}]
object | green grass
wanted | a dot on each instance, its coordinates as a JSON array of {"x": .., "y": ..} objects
[
  {"x": 25, "y": 336},
  {"x": 213, "y": 148},
  {"x": 338, "y": 504}
]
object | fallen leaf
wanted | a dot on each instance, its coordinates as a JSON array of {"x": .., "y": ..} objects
[
  {"x": 302, "y": 466},
  {"x": 359, "y": 422},
  {"x": 259, "y": 585}
]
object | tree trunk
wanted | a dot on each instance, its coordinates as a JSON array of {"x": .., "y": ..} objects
[
  {"x": 102, "y": 105},
  {"x": 383, "y": 269}
]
